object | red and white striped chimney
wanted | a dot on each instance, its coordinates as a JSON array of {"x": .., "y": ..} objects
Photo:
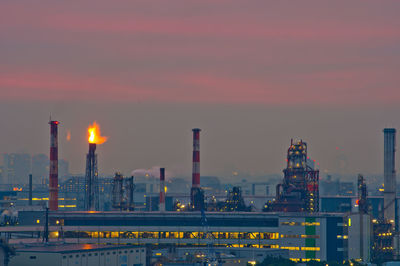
[
  {"x": 161, "y": 206},
  {"x": 53, "y": 172},
  {"x": 196, "y": 158}
]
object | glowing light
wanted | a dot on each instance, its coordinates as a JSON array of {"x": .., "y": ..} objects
[
  {"x": 68, "y": 135},
  {"x": 94, "y": 135}
]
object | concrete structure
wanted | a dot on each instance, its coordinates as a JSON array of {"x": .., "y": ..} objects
[
  {"x": 359, "y": 236},
  {"x": 389, "y": 174},
  {"x": 79, "y": 255},
  {"x": 53, "y": 168}
]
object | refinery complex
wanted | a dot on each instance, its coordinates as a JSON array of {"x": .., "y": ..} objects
[{"x": 93, "y": 220}]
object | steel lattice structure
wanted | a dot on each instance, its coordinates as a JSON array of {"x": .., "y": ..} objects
[
  {"x": 299, "y": 191},
  {"x": 91, "y": 180}
]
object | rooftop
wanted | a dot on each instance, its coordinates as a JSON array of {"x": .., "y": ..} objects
[{"x": 71, "y": 248}]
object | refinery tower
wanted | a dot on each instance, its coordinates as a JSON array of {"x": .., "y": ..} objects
[{"x": 299, "y": 190}]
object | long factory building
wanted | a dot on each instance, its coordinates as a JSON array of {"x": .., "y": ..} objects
[{"x": 320, "y": 236}]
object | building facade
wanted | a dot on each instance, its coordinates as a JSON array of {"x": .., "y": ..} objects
[
  {"x": 79, "y": 255},
  {"x": 324, "y": 237}
]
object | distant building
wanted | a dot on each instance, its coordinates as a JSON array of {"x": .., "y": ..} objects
[
  {"x": 346, "y": 189},
  {"x": 79, "y": 255},
  {"x": 40, "y": 168},
  {"x": 63, "y": 170},
  {"x": 17, "y": 167},
  {"x": 320, "y": 236},
  {"x": 331, "y": 187},
  {"x": 178, "y": 185},
  {"x": 211, "y": 185}
]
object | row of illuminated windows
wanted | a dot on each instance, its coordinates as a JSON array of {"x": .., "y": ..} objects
[
  {"x": 302, "y": 248},
  {"x": 48, "y": 199},
  {"x": 169, "y": 235},
  {"x": 302, "y": 224},
  {"x": 303, "y": 260},
  {"x": 299, "y": 236}
]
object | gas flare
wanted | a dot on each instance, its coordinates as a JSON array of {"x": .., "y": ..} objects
[
  {"x": 68, "y": 135},
  {"x": 94, "y": 135}
]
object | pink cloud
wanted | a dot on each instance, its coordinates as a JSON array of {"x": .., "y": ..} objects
[
  {"x": 269, "y": 53},
  {"x": 324, "y": 88}
]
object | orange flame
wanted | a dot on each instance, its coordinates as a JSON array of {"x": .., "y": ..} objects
[
  {"x": 68, "y": 135},
  {"x": 94, "y": 135}
]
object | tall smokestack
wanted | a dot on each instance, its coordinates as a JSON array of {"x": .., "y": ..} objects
[
  {"x": 53, "y": 172},
  {"x": 91, "y": 179},
  {"x": 92, "y": 197},
  {"x": 389, "y": 174},
  {"x": 196, "y": 158},
  {"x": 161, "y": 205},
  {"x": 196, "y": 193}
]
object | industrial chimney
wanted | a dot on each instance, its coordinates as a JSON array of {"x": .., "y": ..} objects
[
  {"x": 91, "y": 180},
  {"x": 53, "y": 169},
  {"x": 389, "y": 174},
  {"x": 196, "y": 158},
  {"x": 161, "y": 206},
  {"x": 92, "y": 197},
  {"x": 196, "y": 193}
]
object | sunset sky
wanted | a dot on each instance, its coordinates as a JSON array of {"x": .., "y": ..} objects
[{"x": 251, "y": 74}]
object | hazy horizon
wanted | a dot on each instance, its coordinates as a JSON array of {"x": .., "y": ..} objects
[{"x": 141, "y": 136}]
